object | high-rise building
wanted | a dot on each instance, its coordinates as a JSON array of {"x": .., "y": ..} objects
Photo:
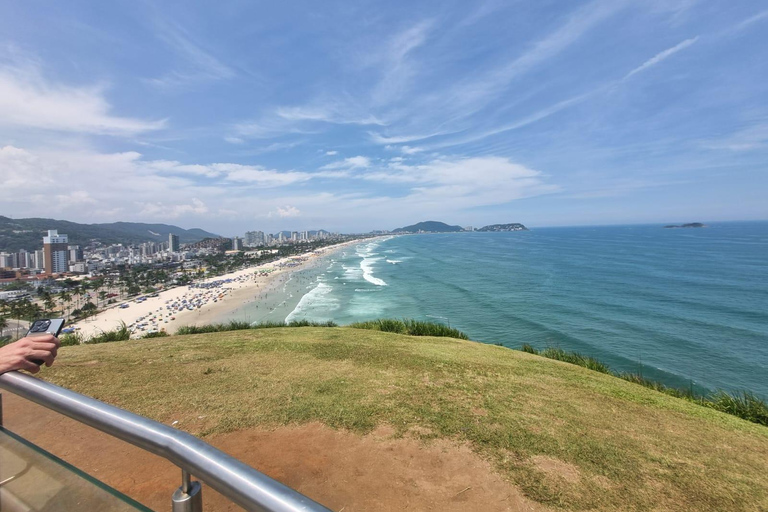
[
  {"x": 55, "y": 251},
  {"x": 39, "y": 260},
  {"x": 6, "y": 260},
  {"x": 237, "y": 244},
  {"x": 25, "y": 259},
  {"x": 75, "y": 253},
  {"x": 173, "y": 242},
  {"x": 254, "y": 239},
  {"x": 294, "y": 235}
]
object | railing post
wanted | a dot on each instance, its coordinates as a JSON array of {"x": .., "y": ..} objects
[{"x": 188, "y": 497}]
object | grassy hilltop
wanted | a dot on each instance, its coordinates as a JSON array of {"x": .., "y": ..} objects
[{"x": 566, "y": 436}]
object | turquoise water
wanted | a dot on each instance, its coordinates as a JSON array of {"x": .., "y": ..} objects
[{"x": 686, "y": 306}]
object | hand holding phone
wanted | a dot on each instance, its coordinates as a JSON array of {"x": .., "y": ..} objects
[
  {"x": 40, "y": 346},
  {"x": 45, "y": 326}
]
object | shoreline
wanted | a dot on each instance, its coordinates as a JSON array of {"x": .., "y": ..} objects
[{"x": 215, "y": 299}]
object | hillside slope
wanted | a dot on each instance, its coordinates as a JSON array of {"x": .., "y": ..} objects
[
  {"x": 565, "y": 436},
  {"x": 17, "y": 234}
]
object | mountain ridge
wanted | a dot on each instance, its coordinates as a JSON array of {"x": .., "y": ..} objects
[{"x": 18, "y": 234}]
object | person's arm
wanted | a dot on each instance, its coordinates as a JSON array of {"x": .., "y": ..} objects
[{"x": 20, "y": 354}]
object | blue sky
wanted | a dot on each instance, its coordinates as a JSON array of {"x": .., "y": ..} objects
[{"x": 354, "y": 116}]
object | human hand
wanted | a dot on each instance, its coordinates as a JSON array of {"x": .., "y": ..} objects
[{"x": 20, "y": 354}]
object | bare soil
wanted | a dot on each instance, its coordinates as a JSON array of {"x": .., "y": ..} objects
[{"x": 342, "y": 470}]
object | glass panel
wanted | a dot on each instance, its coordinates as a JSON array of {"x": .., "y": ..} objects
[{"x": 32, "y": 479}]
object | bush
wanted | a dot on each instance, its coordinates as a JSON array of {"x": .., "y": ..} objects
[
  {"x": 743, "y": 404},
  {"x": 575, "y": 358},
  {"x": 74, "y": 338},
  {"x": 410, "y": 327},
  {"x": 239, "y": 326},
  {"x": 120, "y": 334},
  {"x": 158, "y": 334}
]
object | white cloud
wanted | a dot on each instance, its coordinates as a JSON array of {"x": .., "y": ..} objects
[
  {"x": 331, "y": 153},
  {"x": 410, "y": 150},
  {"x": 29, "y": 100},
  {"x": 328, "y": 112},
  {"x": 285, "y": 211},
  {"x": 662, "y": 56},
  {"x": 355, "y": 162}
]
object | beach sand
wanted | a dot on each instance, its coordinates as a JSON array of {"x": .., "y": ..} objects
[{"x": 230, "y": 292}]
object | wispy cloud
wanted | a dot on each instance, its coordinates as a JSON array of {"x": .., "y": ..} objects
[
  {"x": 355, "y": 162},
  {"x": 396, "y": 61},
  {"x": 28, "y": 99},
  {"x": 661, "y": 56},
  {"x": 761, "y": 16},
  {"x": 751, "y": 138},
  {"x": 197, "y": 65}
]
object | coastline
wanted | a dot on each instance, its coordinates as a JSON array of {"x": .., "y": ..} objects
[{"x": 222, "y": 297}]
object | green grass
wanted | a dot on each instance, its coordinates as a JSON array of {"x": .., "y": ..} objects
[
  {"x": 632, "y": 448},
  {"x": 411, "y": 328},
  {"x": 743, "y": 404}
]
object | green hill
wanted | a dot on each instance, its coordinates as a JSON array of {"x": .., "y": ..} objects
[
  {"x": 430, "y": 226},
  {"x": 17, "y": 234},
  {"x": 622, "y": 446}
]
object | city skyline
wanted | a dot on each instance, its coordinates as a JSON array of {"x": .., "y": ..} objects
[{"x": 374, "y": 116}]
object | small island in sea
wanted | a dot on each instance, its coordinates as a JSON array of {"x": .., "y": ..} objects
[
  {"x": 689, "y": 225},
  {"x": 515, "y": 226},
  {"x": 432, "y": 226}
]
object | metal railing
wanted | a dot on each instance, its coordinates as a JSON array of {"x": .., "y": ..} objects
[{"x": 239, "y": 482}]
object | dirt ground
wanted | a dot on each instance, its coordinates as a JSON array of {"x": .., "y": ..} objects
[{"x": 341, "y": 470}]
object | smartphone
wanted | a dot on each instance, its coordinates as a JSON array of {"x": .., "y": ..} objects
[{"x": 45, "y": 326}]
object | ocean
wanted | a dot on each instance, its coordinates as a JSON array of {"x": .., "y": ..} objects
[{"x": 688, "y": 306}]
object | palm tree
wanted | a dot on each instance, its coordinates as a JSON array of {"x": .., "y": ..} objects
[{"x": 64, "y": 298}]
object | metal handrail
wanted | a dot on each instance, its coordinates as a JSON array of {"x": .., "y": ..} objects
[{"x": 239, "y": 482}]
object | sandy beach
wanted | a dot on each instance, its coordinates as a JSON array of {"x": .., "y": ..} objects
[{"x": 205, "y": 302}]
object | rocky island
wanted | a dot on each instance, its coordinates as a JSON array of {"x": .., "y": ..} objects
[
  {"x": 504, "y": 227},
  {"x": 689, "y": 225}
]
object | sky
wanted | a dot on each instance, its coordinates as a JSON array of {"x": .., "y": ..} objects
[{"x": 356, "y": 116}]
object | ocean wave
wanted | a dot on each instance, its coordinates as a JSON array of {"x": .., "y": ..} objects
[
  {"x": 367, "y": 266},
  {"x": 394, "y": 262},
  {"x": 317, "y": 299}
]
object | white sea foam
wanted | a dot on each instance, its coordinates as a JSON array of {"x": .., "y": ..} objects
[
  {"x": 394, "y": 262},
  {"x": 367, "y": 266},
  {"x": 318, "y": 301}
]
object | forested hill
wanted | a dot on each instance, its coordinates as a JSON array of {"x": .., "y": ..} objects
[
  {"x": 17, "y": 234},
  {"x": 515, "y": 226},
  {"x": 429, "y": 226}
]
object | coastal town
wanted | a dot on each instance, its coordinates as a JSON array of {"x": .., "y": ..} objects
[{"x": 144, "y": 287}]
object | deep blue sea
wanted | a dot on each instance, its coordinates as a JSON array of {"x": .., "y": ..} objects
[{"x": 685, "y": 306}]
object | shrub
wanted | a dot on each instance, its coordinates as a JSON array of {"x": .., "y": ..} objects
[
  {"x": 410, "y": 327},
  {"x": 158, "y": 334},
  {"x": 239, "y": 326},
  {"x": 120, "y": 334},
  {"x": 743, "y": 404},
  {"x": 74, "y": 338}
]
